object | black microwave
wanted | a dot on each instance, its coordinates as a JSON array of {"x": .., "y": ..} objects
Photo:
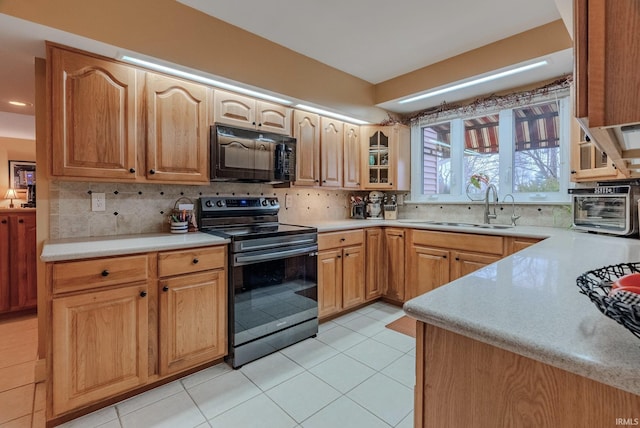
[{"x": 247, "y": 155}]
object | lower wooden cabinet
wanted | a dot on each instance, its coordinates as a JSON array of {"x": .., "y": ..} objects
[
  {"x": 374, "y": 281},
  {"x": 428, "y": 269},
  {"x": 394, "y": 264},
  {"x": 341, "y": 271},
  {"x": 99, "y": 345},
  {"x": 193, "y": 320},
  {"x": 18, "y": 260}
]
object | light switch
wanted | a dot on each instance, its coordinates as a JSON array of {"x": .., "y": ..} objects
[
  {"x": 288, "y": 201},
  {"x": 98, "y": 202}
]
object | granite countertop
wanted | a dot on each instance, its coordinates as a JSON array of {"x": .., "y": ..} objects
[
  {"x": 529, "y": 304},
  {"x": 82, "y": 248}
]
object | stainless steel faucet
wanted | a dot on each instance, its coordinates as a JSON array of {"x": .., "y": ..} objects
[
  {"x": 514, "y": 217},
  {"x": 487, "y": 215}
]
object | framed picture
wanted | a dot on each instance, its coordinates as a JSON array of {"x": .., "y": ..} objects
[{"x": 21, "y": 174}]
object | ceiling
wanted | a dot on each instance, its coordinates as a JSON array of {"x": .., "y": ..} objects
[{"x": 374, "y": 40}]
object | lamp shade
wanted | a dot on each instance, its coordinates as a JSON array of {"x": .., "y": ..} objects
[{"x": 11, "y": 194}]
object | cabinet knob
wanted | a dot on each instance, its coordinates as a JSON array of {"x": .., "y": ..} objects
[
  {"x": 152, "y": 171},
  {"x": 339, "y": 257},
  {"x": 457, "y": 258},
  {"x": 343, "y": 239},
  {"x": 253, "y": 123},
  {"x": 21, "y": 221},
  {"x": 105, "y": 273},
  {"x": 444, "y": 257},
  {"x": 390, "y": 184},
  {"x": 357, "y": 184},
  {"x": 573, "y": 171},
  {"x": 316, "y": 181},
  {"x": 324, "y": 181},
  {"x": 195, "y": 261},
  {"x": 346, "y": 254},
  {"x": 165, "y": 288},
  {"x": 132, "y": 170},
  {"x": 259, "y": 124},
  {"x": 143, "y": 294},
  {"x": 4, "y": 221}
]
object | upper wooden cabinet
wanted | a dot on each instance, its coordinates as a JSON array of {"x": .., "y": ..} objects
[
  {"x": 306, "y": 131},
  {"x": 111, "y": 121},
  {"x": 245, "y": 112},
  {"x": 386, "y": 159},
  {"x": 331, "y": 152},
  {"x": 93, "y": 116},
  {"x": 177, "y": 129},
  {"x": 352, "y": 157},
  {"x": 607, "y": 60}
]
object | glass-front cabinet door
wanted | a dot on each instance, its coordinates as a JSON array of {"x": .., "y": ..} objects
[{"x": 378, "y": 162}]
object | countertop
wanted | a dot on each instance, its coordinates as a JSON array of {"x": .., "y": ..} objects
[{"x": 82, "y": 248}]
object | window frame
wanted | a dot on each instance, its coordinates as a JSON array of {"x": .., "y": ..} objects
[{"x": 506, "y": 156}]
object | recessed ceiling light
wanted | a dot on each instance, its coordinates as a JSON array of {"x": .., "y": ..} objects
[{"x": 20, "y": 104}]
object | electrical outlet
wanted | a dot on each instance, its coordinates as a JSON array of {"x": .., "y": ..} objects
[
  {"x": 98, "y": 202},
  {"x": 288, "y": 201}
]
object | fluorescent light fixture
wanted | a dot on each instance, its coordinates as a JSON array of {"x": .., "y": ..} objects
[
  {"x": 473, "y": 82},
  {"x": 331, "y": 114},
  {"x": 202, "y": 79}
]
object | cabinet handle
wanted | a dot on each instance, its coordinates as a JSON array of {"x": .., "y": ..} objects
[
  {"x": 195, "y": 261},
  {"x": 132, "y": 170},
  {"x": 143, "y": 294},
  {"x": 105, "y": 273},
  {"x": 357, "y": 184},
  {"x": 165, "y": 288},
  {"x": 152, "y": 171}
]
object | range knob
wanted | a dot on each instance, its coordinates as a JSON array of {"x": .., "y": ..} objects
[
  {"x": 274, "y": 201},
  {"x": 219, "y": 204},
  {"x": 208, "y": 204},
  {"x": 264, "y": 202}
]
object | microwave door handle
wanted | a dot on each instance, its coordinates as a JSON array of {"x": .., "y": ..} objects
[{"x": 237, "y": 144}]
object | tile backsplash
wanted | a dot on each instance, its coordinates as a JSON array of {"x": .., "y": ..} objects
[{"x": 144, "y": 208}]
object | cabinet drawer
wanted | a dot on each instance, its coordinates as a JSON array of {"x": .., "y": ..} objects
[
  {"x": 95, "y": 273},
  {"x": 191, "y": 260},
  {"x": 340, "y": 239},
  {"x": 459, "y": 241}
]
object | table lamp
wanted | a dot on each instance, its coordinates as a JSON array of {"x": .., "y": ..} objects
[{"x": 11, "y": 194}]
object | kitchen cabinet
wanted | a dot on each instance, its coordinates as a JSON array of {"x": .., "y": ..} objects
[
  {"x": 394, "y": 264},
  {"x": 306, "y": 131},
  {"x": 193, "y": 308},
  {"x": 352, "y": 154},
  {"x": 606, "y": 64},
  {"x": 177, "y": 140},
  {"x": 341, "y": 271},
  {"x": 386, "y": 157},
  {"x": 94, "y": 123},
  {"x": 436, "y": 258},
  {"x": 124, "y": 322},
  {"x": 99, "y": 341},
  {"x": 517, "y": 243},
  {"x": 331, "y": 152},
  {"x": 18, "y": 261},
  {"x": 588, "y": 162},
  {"x": 245, "y": 112},
  {"x": 374, "y": 281},
  {"x": 112, "y": 121}
]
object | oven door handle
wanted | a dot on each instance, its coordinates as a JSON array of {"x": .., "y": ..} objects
[
  {"x": 253, "y": 247},
  {"x": 242, "y": 259}
]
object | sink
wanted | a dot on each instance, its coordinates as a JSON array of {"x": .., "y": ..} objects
[
  {"x": 493, "y": 226},
  {"x": 458, "y": 224},
  {"x": 451, "y": 223}
]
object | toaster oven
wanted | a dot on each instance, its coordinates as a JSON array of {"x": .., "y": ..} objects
[{"x": 606, "y": 209}]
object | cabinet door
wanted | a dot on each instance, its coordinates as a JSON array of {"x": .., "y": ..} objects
[
  {"x": 93, "y": 116},
  {"x": 376, "y": 157},
  {"x": 193, "y": 320},
  {"x": 464, "y": 263},
  {"x": 307, "y": 133},
  {"x": 394, "y": 264},
  {"x": 99, "y": 345},
  {"x": 5, "y": 264},
  {"x": 234, "y": 110},
  {"x": 353, "y": 276},
  {"x": 273, "y": 118},
  {"x": 331, "y": 148},
  {"x": 352, "y": 155},
  {"x": 429, "y": 269},
  {"x": 177, "y": 130},
  {"x": 23, "y": 261},
  {"x": 374, "y": 266},
  {"x": 329, "y": 282}
]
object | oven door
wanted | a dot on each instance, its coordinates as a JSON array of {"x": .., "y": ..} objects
[{"x": 271, "y": 290}]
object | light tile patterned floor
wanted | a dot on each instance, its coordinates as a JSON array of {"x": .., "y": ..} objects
[{"x": 355, "y": 374}]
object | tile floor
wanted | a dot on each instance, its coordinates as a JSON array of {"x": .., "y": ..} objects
[
  {"x": 356, "y": 373},
  {"x": 21, "y": 401}
]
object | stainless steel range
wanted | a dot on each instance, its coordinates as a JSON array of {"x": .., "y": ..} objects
[{"x": 273, "y": 291}]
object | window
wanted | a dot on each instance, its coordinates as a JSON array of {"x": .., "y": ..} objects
[{"x": 522, "y": 150}]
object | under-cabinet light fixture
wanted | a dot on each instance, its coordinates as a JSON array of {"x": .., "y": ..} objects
[
  {"x": 20, "y": 104},
  {"x": 202, "y": 79},
  {"x": 473, "y": 82},
  {"x": 331, "y": 114}
]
